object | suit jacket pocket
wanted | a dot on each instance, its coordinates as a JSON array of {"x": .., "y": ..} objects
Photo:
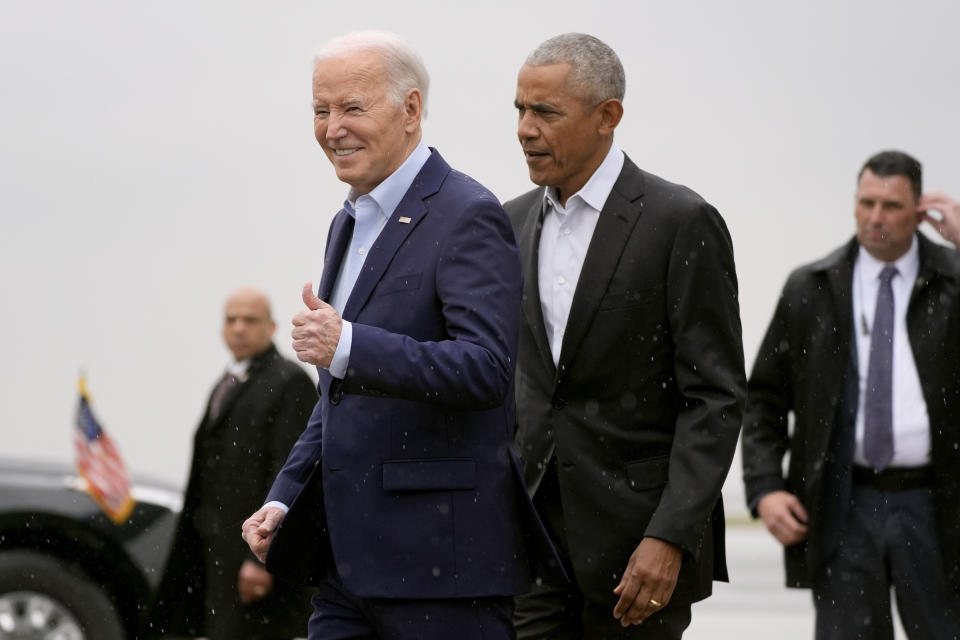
[
  {"x": 429, "y": 474},
  {"x": 629, "y": 299},
  {"x": 650, "y": 473},
  {"x": 408, "y": 282}
]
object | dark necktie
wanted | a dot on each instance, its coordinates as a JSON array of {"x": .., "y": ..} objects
[
  {"x": 220, "y": 392},
  {"x": 878, "y": 404}
]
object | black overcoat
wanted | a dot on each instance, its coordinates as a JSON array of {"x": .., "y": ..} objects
[
  {"x": 805, "y": 367},
  {"x": 238, "y": 455}
]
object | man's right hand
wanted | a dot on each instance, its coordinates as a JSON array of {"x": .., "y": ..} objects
[
  {"x": 259, "y": 528},
  {"x": 784, "y": 516},
  {"x": 316, "y": 331}
]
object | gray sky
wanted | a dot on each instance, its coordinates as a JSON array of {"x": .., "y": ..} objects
[{"x": 154, "y": 156}]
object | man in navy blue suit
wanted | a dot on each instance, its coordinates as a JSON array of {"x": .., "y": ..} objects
[{"x": 403, "y": 499}]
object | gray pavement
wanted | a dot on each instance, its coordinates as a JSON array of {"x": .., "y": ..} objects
[{"x": 755, "y": 604}]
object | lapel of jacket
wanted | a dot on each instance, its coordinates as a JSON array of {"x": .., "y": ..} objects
[
  {"x": 839, "y": 359},
  {"x": 922, "y": 325},
  {"x": 226, "y": 404},
  {"x": 616, "y": 222},
  {"x": 257, "y": 363},
  {"x": 229, "y": 400},
  {"x": 337, "y": 242},
  {"x": 839, "y": 270},
  {"x": 412, "y": 206},
  {"x": 529, "y": 246}
]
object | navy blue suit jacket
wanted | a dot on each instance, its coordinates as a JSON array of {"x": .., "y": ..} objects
[{"x": 406, "y": 464}]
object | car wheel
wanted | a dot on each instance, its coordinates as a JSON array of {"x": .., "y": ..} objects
[{"x": 43, "y": 599}]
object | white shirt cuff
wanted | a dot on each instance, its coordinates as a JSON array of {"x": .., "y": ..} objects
[
  {"x": 341, "y": 357},
  {"x": 278, "y": 505}
]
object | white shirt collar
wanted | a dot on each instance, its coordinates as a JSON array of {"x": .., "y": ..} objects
[
  {"x": 239, "y": 369},
  {"x": 597, "y": 189},
  {"x": 908, "y": 265},
  {"x": 390, "y": 192}
]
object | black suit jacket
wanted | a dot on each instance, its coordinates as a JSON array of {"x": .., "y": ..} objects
[
  {"x": 806, "y": 367},
  {"x": 643, "y": 411},
  {"x": 236, "y": 456}
]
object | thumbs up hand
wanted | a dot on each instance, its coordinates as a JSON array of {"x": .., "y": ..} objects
[
  {"x": 316, "y": 331},
  {"x": 310, "y": 298}
]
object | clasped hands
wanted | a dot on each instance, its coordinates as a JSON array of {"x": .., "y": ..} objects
[{"x": 316, "y": 330}]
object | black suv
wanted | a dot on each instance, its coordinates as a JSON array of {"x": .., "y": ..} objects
[{"x": 66, "y": 571}]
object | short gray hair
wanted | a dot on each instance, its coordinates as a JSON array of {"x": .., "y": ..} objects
[
  {"x": 405, "y": 68},
  {"x": 596, "y": 73}
]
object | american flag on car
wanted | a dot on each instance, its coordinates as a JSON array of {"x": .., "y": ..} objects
[{"x": 99, "y": 462}]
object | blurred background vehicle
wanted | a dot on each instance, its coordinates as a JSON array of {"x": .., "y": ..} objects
[{"x": 66, "y": 571}]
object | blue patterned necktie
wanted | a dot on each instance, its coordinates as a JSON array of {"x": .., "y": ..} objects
[{"x": 878, "y": 404}]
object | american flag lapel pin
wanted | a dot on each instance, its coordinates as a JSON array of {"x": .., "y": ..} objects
[{"x": 404, "y": 220}]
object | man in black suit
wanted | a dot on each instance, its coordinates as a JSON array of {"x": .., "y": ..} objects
[
  {"x": 213, "y": 585},
  {"x": 863, "y": 350},
  {"x": 630, "y": 377}
]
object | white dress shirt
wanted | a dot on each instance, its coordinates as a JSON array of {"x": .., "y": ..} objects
[
  {"x": 564, "y": 240},
  {"x": 239, "y": 368},
  {"x": 911, "y": 424}
]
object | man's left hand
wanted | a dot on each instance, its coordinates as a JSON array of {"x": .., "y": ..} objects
[
  {"x": 316, "y": 331},
  {"x": 254, "y": 582},
  {"x": 648, "y": 582}
]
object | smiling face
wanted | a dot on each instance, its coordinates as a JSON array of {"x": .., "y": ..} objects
[
  {"x": 564, "y": 139},
  {"x": 365, "y": 133},
  {"x": 887, "y": 215}
]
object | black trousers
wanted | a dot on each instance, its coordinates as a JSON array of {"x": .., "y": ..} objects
[
  {"x": 561, "y": 612},
  {"x": 888, "y": 542}
]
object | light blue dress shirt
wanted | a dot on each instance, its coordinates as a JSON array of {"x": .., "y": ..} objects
[{"x": 371, "y": 212}]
